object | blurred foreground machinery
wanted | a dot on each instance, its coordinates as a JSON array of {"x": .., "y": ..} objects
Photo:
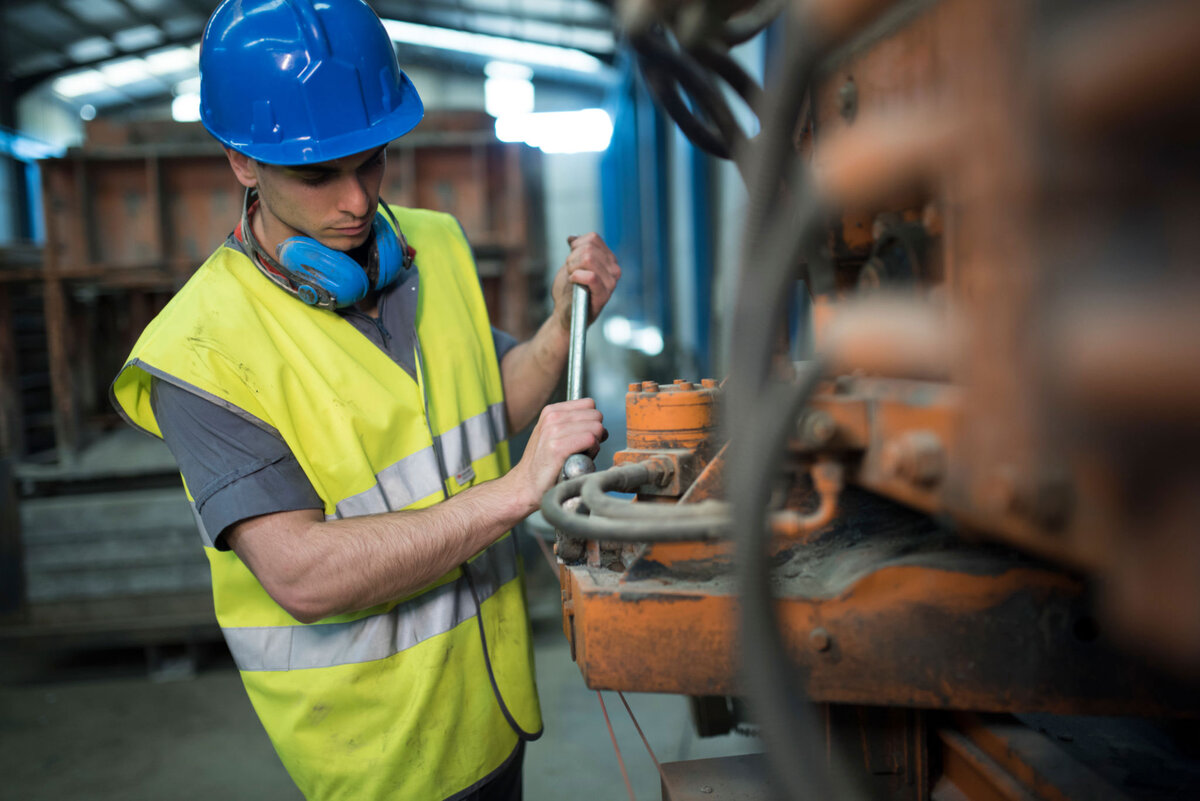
[{"x": 955, "y": 551}]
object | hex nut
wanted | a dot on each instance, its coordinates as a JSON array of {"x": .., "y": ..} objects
[{"x": 915, "y": 456}]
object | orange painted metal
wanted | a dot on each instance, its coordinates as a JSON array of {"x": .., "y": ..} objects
[
  {"x": 682, "y": 415},
  {"x": 1033, "y": 759},
  {"x": 903, "y": 618},
  {"x": 679, "y": 422},
  {"x": 897, "y": 636}
]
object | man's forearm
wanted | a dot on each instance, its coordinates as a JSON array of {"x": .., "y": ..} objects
[
  {"x": 316, "y": 568},
  {"x": 531, "y": 371}
]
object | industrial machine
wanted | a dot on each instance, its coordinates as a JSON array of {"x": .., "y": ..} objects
[{"x": 953, "y": 549}]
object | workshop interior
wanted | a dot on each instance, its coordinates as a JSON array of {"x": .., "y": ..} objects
[{"x": 901, "y": 497}]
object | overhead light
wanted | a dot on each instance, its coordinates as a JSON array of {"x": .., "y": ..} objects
[
  {"x": 188, "y": 86},
  {"x": 628, "y": 334},
  {"x": 507, "y": 89},
  {"x": 124, "y": 71},
  {"x": 507, "y": 69},
  {"x": 186, "y": 108},
  {"x": 138, "y": 38},
  {"x": 93, "y": 48},
  {"x": 87, "y": 112},
  {"x": 80, "y": 83},
  {"x": 586, "y": 131},
  {"x": 171, "y": 60},
  {"x": 496, "y": 47}
]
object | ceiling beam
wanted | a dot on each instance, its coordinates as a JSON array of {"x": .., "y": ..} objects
[
  {"x": 89, "y": 28},
  {"x": 26, "y": 82},
  {"x": 408, "y": 11},
  {"x": 11, "y": 32},
  {"x": 136, "y": 14}
]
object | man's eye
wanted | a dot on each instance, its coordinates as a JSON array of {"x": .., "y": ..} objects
[{"x": 315, "y": 179}]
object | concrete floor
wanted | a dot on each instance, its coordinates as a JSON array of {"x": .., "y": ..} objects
[{"x": 96, "y": 725}]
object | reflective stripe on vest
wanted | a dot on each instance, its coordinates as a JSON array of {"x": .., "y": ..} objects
[
  {"x": 416, "y": 476},
  {"x": 379, "y": 636}
]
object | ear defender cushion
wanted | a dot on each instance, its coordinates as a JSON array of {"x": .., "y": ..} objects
[
  {"x": 310, "y": 262},
  {"x": 387, "y": 247}
]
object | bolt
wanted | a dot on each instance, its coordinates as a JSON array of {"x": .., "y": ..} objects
[
  {"x": 708, "y": 383},
  {"x": 568, "y": 550},
  {"x": 817, "y": 428},
  {"x": 819, "y": 639},
  {"x": 915, "y": 456},
  {"x": 683, "y": 385},
  {"x": 634, "y": 387},
  {"x": 649, "y": 386}
]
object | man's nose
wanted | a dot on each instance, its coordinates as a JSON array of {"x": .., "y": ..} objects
[{"x": 353, "y": 197}]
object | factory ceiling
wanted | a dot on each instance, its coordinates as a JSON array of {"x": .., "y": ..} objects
[{"x": 107, "y": 53}]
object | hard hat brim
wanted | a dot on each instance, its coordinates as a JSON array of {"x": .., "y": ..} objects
[{"x": 293, "y": 152}]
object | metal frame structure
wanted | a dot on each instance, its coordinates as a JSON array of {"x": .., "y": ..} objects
[{"x": 970, "y": 501}]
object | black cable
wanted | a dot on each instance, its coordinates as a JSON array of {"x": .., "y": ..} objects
[
  {"x": 782, "y": 235},
  {"x": 666, "y": 71},
  {"x": 747, "y": 25},
  {"x": 729, "y": 71},
  {"x": 699, "y": 132},
  {"x": 522, "y": 735}
]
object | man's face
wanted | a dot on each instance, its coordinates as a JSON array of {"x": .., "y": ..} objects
[{"x": 333, "y": 202}]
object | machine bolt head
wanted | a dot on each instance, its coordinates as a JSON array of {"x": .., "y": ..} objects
[
  {"x": 634, "y": 387},
  {"x": 819, "y": 639},
  {"x": 708, "y": 383},
  {"x": 649, "y": 386},
  {"x": 817, "y": 428},
  {"x": 915, "y": 456}
]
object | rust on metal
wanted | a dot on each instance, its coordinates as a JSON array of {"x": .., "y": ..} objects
[{"x": 907, "y": 620}]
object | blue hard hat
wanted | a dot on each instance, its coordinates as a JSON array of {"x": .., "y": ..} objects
[{"x": 302, "y": 81}]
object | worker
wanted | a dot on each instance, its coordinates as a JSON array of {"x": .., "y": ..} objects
[{"x": 339, "y": 406}]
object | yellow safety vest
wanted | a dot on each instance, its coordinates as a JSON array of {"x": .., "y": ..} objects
[{"x": 391, "y": 702}]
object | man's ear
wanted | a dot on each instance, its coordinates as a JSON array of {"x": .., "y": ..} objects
[{"x": 243, "y": 167}]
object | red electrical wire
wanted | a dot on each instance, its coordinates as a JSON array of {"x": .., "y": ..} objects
[
  {"x": 661, "y": 774},
  {"x": 617, "y": 748}
]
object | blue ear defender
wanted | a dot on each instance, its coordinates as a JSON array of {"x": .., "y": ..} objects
[{"x": 326, "y": 278}]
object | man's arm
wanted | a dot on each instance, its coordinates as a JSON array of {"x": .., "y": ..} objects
[
  {"x": 315, "y": 568},
  {"x": 531, "y": 370}
]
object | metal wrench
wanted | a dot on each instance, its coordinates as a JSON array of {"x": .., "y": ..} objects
[{"x": 577, "y": 464}]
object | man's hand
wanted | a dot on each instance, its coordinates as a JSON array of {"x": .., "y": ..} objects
[
  {"x": 591, "y": 264},
  {"x": 562, "y": 429}
]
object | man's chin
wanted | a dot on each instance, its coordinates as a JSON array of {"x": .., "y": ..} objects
[{"x": 345, "y": 242}]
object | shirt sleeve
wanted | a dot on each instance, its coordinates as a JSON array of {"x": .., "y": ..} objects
[
  {"x": 504, "y": 343},
  {"x": 235, "y": 469}
]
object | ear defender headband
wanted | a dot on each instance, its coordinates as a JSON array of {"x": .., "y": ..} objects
[{"x": 326, "y": 278}]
